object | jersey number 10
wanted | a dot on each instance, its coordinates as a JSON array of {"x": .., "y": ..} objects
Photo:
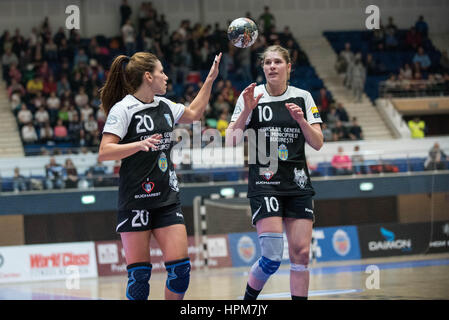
[{"x": 265, "y": 113}]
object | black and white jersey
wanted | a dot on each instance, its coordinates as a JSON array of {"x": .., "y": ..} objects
[
  {"x": 147, "y": 179},
  {"x": 272, "y": 117}
]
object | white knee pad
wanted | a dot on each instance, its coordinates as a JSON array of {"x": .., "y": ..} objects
[{"x": 298, "y": 267}]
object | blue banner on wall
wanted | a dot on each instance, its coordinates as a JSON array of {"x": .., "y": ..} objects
[{"x": 335, "y": 243}]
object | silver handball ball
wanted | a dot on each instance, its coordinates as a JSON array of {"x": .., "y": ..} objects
[{"x": 242, "y": 32}]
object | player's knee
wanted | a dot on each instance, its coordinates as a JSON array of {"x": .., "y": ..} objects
[
  {"x": 299, "y": 256},
  {"x": 272, "y": 247},
  {"x": 138, "y": 287},
  {"x": 178, "y": 275}
]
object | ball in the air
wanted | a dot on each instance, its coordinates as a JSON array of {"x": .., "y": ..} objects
[{"x": 242, "y": 32}]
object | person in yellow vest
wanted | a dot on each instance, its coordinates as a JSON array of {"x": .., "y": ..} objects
[{"x": 417, "y": 127}]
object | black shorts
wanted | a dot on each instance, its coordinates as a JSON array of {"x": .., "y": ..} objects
[
  {"x": 299, "y": 207},
  {"x": 142, "y": 219}
]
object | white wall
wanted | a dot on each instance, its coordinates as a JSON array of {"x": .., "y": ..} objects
[{"x": 305, "y": 17}]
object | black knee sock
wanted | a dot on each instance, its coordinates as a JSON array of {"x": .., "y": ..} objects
[
  {"x": 298, "y": 298},
  {"x": 250, "y": 293}
]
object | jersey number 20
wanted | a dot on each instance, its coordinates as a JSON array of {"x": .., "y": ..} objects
[{"x": 145, "y": 124}]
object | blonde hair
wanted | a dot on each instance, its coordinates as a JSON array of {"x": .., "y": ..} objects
[
  {"x": 285, "y": 54},
  {"x": 123, "y": 80}
]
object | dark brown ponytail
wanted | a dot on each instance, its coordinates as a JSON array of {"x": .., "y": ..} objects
[
  {"x": 125, "y": 80},
  {"x": 116, "y": 86}
]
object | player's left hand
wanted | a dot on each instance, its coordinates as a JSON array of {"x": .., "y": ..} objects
[
  {"x": 213, "y": 73},
  {"x": 295, "y": 112}
]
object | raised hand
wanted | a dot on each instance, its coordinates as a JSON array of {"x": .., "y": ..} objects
[
  {"x": 248, "y": 97},
  {"x": 295, "y": 112},
  {"x": 213, "y": 73}
]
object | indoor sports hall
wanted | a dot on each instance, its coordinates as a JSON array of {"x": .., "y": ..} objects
[{"x": 378, "y": 73}]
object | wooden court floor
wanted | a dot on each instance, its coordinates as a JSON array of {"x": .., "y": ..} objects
[{"x": 411, "y": 277}]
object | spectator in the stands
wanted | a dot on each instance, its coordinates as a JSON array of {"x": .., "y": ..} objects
[
  {"x": 16, "y": 87},
  {"x": 355, "y": 131},
  {"x": 358, "y": 78},
  {"x": 46, "y": 133},
  {"x": 341, "y": 163},
  {"x": 222, "y": 124},
  {"x": 81, "y": 98},
  {"x": 422, "y": 27},
  {"x": 24, "y": 116},
  {"x": 91, "y": 129},
  {"x": 372, "y": 67},
  {"x": 60, "y": 131},
  {"x": 70, "y": 174},
  {"x": 406, "y": 72},
  {"x": 81, "y": 58},
  {"x": 53, "y": 105},
  {"x": 417, "y": 128},
  {"x": 413, "y": 39},
  {"x": 437, "y": 159},
  {"x": 332, "y": 117},
  {"x": 327, "y": 133},
  {"x": 19, "y": 182},
  {"x": 8, "y": 58},
  {"x": 358, "y": 161},
  {"x": 29, "y": 134},
  {"x": 391, "y": 40},
  {"x": 14, "y": 74},
  {"x": 266, "y": 20},
  {"x": 345, "y": 58},
  {"x": 324, "y": 101},
  {"x": 35, "y": 85},
  {"x": 129, "y": 37},
  {"x": 125, "y": 12},
  {"x": 342, "y": 113},
  {"x": 54, "y": 175},
  {"x": 95, "y": 174},
  {"x": 423, "y": 59},
  {"x": 50, "y": 85},
  {"x": 63, "y": 85},
  {"x": 74, "y": 128},
  {"x": 41, "y": 117},
  {"x": 340, "y": 132}
]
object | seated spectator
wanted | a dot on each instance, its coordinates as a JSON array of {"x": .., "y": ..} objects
[
  {"x": 355, "y": 131},
  {"x": 54, "y": 174},
  {"x": 340, "y": 132},
  {"x": 16, "y": 87},
  {"x": 96, "y": 175},
  {"x": 391, "y": 40},
  {"x": 60, "y": 131},
  {"x": 417, "y": 128},
  {"x": 24, "y": 116},
  {"x": 332, "y": 117},
  {"x": 41, "y": 117},
  {"x": 357, "y": 159},
  {"x": 80, "y": 58},
  {"x": 86, "y": 111},
  {"x": 341, "y": 113},
  {"x": 422, "y": 58},
  {"x": 372, "y": 67},
  {"x": 46, "y": 133},
  {"x": 50, "y": 85},
  {"x": 327, "y": 133},
  {"x": 14, "y": 73},
  {"x": 91, "y": 129},
  {"x": 8, "y": 58},
  {"x": 436, "y": 159},
  {"x": 63, "y": 85},
  {"x": 413, "y": 38},
  {"x": 70, "y": 174},
  {"x": 219, "y": 106},
  {"x": 222, "y": 124},
  {"x": 324, "y": 101},
  {"x": 19, "y": 182},
  {"x": 63, "y": 113},
  {"x": 406, "y": 72},
  {"x": 81, "y": 98},
  {"x": 341, "y": 163},
  {"x": 444, "y": 62},
  {"x": 35, "y": 85}
]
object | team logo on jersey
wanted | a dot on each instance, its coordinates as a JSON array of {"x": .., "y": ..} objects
[
  {"x": 162, "y": 162},
  {"x": 283, "y": 152},
  {"x": 316, "y": 113},
  {"x": 173, "y": 181},
  {"x": 300, "y": 178},
  {"x": 112, "y": 120},
  {"x": 148, "y": 186},
  {"x": 268, "y": 175},
  {"x": 168, "y": 118}
]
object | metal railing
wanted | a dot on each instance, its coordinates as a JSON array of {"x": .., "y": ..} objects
[{"x": 413, "y": 88}]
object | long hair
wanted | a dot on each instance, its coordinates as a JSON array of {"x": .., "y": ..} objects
[{"x": 123, "y": 80}]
